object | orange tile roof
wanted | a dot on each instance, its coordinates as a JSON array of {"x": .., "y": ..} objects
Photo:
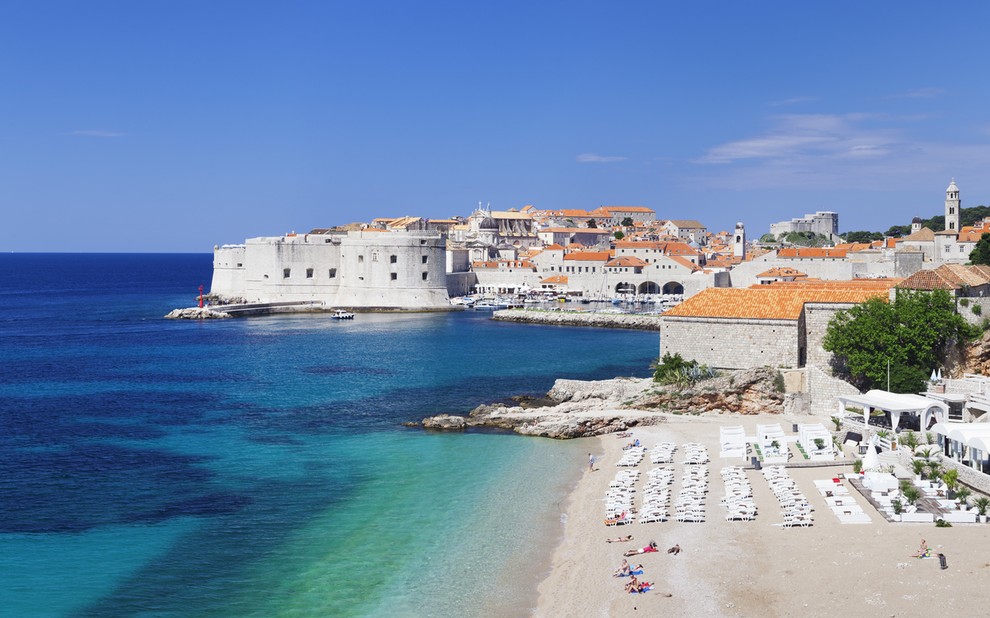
[
  {"x": 587, "y": 256},
  {"x": 684, "y": 262},
  {"x": 574, "y": 213},
  {"x": 627, "y": 261},
  {"x": 553, "y": 247},
  {"x": 642, "y": 209},
  {"x": 848, "y": 284},
  {"x": 765, "y": 303},
  {"x": 946, "y": 277},
  {"x": 923, "y": 235},
  {"x": 555, "y": 279},
  {"x": 811, "y": 252},
  {"x": 783, "y": 271}
]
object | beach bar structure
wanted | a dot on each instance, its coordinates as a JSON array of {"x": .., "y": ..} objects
[
  {"x": 928, "y": 411},
  {"x": 966, "y": 443},
  {"x": 732, "y": 441}
]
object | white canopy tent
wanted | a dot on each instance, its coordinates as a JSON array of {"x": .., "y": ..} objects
[
  {"x": 896, "y": 404},
  {"x": 969, "y": 442}
]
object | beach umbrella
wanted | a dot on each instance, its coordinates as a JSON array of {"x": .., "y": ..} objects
[
  {"x": 933, "y": 378},
  {"x": 939, "y": 375}
]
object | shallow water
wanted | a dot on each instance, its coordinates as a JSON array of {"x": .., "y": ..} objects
[{"x": 259, "y": 466}]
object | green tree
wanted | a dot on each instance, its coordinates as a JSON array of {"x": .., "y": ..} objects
[
  {"x": 627, "y": 222},
  {"x": 862, "y": 236},
  {"x": 913, "y": 334},
  {"x": 592, "y": 223},
  {"x": 768, "y": 238},
  {"x": 981, "y": 252},
  {"x": 619, "y": 235}
]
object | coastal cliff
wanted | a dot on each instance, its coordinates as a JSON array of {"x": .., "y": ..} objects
[{"x": 576, "y": 408}]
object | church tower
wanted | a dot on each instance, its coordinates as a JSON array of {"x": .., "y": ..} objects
[
  {"x": 739, "y": 242},
  {"x": 952, "y": 205}
]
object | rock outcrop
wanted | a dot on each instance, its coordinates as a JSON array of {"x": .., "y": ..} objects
[
  {"x": 590, "y": 408},
  {"x": 196, "y": 313},
  {"x": 976, "y": 357}
]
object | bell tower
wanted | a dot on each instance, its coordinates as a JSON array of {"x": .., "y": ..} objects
[
  {"x": 739, "y": 242},
  {"x": 952, "y": 205}
]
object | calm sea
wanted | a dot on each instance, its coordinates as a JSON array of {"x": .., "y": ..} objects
[{"x": 259, "y": 466}]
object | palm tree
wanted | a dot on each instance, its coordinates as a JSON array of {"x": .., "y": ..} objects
[
  {"x": 961, "y": 494},
  {"x": 911, "y": 494},
  {"x": 910, "y": 440},
  {"x": 982, "y": 504},
  {"x": 934, "y": 470},
  {"x": 951, "y": 479},
  {"x": 919, "y": 466}
]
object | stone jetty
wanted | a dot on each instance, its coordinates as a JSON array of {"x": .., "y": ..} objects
[{"x": 579, "y": 318}]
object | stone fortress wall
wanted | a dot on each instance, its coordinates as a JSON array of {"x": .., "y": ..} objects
[
  {"x": 733, "y": 343},
  {"x": 388, "y": 270}
]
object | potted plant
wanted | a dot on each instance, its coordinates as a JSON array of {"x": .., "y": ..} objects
[
  {"x": 918, "y": 466},
  {"x": 819, "y": 444},
  {"x": 911, "y": 494},
  {"x": 858, "y": 466},
  {"x": 898, "y": 508},
  {"x": 837, "y": 422},
  {"x": 961, "y": 494},
  {"x": 951, "y": 479},
  {"x": 982, "y": 504},
  {"x": 910, "y": 440}
]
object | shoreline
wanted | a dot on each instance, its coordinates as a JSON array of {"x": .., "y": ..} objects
[
  {"x": 579, "y": 318},
  {"x": 746, "y": 568}
]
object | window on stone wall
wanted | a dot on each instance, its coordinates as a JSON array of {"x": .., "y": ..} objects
[
  {"x": 360, "y": 259},
  {"x": 426, "y": 259},
  {"x": 309, "y": 273},
  {"x": 395, "y": 276},
  {"x": 424, "y": 276},
  {"x": 333, "y": 273},
  {"x": 393, "y": 259},
  {"x": 286, "y": 272}
]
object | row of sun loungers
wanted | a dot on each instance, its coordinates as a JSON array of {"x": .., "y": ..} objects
[
  {"x": 619, "y": 498},
  {"x": 656, "y": 495},
  {"x": 631, "y": 457},
  {"x": 795, "y": 508},
  {"x": 738, "y": 500},
  {"x": 695, "y": 453},
  {"x": 690, "y": 504},
  {"x": 663, "y": 453},
  {"x": 843, "y": 505}
]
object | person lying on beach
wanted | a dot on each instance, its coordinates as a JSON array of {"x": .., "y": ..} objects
[
  {"x": 623, "y": 569},
  {"x": 652, "y": 547},
  {"x": 621, "y": 539},
  {"x": 676, "y": 549}
]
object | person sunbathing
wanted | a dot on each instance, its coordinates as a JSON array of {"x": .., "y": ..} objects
[
  {"x": 623, "y": 569},
  {"x": 676, "y": 549},
  {"x": 621, "y": 539},
  {"x": 923, "y": 552},
  {"x": 632, "y": 585},
  {"x": 652, "y": 547}
]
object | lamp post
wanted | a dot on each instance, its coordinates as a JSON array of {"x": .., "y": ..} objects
[{"x": 201, "y": 302}]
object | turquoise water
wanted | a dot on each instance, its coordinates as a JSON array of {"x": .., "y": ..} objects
[{"x": 259, "y": 467}]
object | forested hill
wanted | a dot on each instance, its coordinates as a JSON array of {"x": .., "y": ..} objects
[{"x": 968, "y": 216}]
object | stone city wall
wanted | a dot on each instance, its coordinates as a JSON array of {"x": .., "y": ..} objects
[
  {"x": 579, "y": 318},
  {"x": 732, "y": 344}
]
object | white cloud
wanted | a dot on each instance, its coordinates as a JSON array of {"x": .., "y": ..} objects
[
  {"x": 589, "y": 157},
  {"x": 838, "y": 151},
  {"x": 95, "y": 133},
  {"x": 919, "y": 93},
  {"x": 793, "y": 101}
]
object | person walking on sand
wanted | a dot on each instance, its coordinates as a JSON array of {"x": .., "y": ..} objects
[{"x": 591, "y": 462}]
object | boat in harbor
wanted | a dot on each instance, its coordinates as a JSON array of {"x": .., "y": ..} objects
[{"x": 340, "y": 314}]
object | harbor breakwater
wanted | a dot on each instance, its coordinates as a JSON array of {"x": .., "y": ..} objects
[{"x": 579, "y": 318}]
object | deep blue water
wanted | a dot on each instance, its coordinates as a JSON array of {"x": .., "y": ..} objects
[{"x": 256, "y": 466}]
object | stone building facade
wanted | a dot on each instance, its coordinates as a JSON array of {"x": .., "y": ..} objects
[{"x": 361, "y": 269}]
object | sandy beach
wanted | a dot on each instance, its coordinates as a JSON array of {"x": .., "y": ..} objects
[{"x": 757, "y": 568}]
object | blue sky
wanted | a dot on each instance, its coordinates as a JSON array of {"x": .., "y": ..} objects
[{"x": 174, "y": 126}]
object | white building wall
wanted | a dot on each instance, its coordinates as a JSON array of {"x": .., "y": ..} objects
[{"x": 392, "y": 270}]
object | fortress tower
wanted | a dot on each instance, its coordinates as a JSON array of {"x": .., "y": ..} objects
[{"x": 952, "y": 205}]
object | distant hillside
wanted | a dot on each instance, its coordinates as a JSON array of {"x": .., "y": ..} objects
[{"x": 967, "y": 216}]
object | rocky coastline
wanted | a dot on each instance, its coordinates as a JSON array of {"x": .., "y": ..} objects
[
  {"x": 196, "y": 313},
  {"x": 577, "y": 409},
  {"x": 579, "y": 318}
]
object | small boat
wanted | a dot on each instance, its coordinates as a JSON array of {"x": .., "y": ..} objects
[{"x": 340, "y": 314}]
